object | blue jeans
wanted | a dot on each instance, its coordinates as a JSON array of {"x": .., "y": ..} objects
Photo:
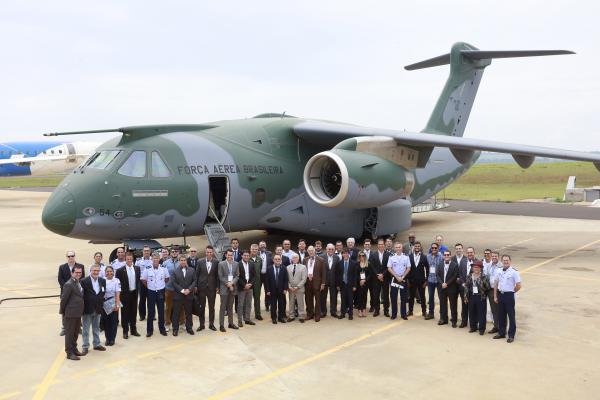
[
  {"x": 431, "y": 289},
  {"x": 506, "y": 307},
  {"x": 93, "y": 320},
  {"x": 403, "y": 300},
  {"x": 156, "y": 301}
]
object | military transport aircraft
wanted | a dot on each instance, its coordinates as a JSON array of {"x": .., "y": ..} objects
[{"x": 279, "y": 172}]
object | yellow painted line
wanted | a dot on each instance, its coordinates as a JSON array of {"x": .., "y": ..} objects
[
  {"x": 559, "y": 257},
  {"x": 85, "y": 373},
  {"x": 117, "y": 363},
  {"x": 301, "y": 363},
  {"x": 9, "y": 395},
  {"x": 565, "y": 276},
  {"x": 42, "y": 389},
  {"x": 149, "y": 354},
  {"x": 197, "y": 341}
]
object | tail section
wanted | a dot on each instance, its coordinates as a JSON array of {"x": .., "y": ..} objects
[{"x": 451, "y": 112}]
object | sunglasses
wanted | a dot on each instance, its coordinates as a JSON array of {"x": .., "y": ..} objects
[{"x": 71, "y": 256}]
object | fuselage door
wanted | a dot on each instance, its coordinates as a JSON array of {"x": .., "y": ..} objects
[{"x": 218, "y": 199}]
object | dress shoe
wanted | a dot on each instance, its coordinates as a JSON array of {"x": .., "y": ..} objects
[
  {"x": 281, "y": 320},
  {"x": 100, "y": 348},
  {"x": 405, "y": 318},
  {"x": 81, "y": 353},
  {"x": 429, "y": 316},
  {"x": 341, "y": 316},
  {"x": 350, "y": 317},
  {"x": 386, "y": 314},
  {"x": 190, "y": 331},
  {"x": 274, "y": 321},
  {"x": 323, "y": 315},
  {"x": 164, "y": 333},
  {"x": 482, "y": 333},
  {"x": 472, "y": 330},
  {"x": 111, "y": 343},
  {"x": 250, "y": 323},
  {"x": 440, "y": 322},
  {"x": 142, "y": 318},
  {"x": 498, "y": 336},
  {"x": 454, "y": 324},
  {"x": 148, "y": 334},
  {"x": 290, "y": 319},
  {"x": 62, "y": 333},
  {"x": 73, "y": 357},
  {"x": 317, "y": 319},
  {"x": 240, "y": 324},
  {"x": 212, "y": 327},
  {"x": 232, "y": 326},
  {"x": 371, "y": 309},
  {"x": 410, "y": 313},
  {"x": 463, "y": 325},
  {"x": 493, "y": 330},
  {"x": 301, "y": 320},
  {"x": 335, "y": 315},
  {"x": 222, "y": 328},
  {"x": 135, "y": 333},
  {"x": 376, "y": 313},
  {"x": 309, "y": 316},
  {"x": 107, "y": 343},
  {"x": 258, "y": 317},
  {"x": 175, "y": 333},
  {"x": 200, "y": 329},
  {"x": 510, "y": 340},
  {"x": 392, "y": 318},
  {"x": 125, "y": 335}
]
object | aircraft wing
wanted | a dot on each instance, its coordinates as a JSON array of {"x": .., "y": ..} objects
[
  {"x": 330, "y": 134},
  {"x": 29, "y": 160}
]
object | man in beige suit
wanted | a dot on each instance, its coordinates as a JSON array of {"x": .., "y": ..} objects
[
  {"x": 228, "y": 271},
  {"x": 297, "y": 276}
]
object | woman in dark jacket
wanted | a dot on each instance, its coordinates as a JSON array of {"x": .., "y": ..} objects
[{"x": 363, "y": 276}]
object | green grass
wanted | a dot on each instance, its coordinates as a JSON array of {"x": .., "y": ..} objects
[
  {"x": 28, "y": 181},
  {"x": 509, "y": 182}
]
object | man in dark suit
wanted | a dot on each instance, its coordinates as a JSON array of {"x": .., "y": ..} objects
[
  {"x": 193, "y": 259},
  {"x": 447, "y": 274},
  {"x": 352, "y": 250},
  {"x": 235, "y": 248},
  {"x": 315, "y": 283},
  {"x": 183, "y": 295},
  {"x": 285, "y": 260},
  {"x": 381, "y": 279},
  {"x": 331, "y": 266},
  {"x": 129, "y": 276},
  {"x": 94, "y": 289},
  {"x": 347, "y": 277},
  {"x": 64, "y": 275},
  {"x": 464, "y": 270},
  {"x": 277, "y": 287},
  {"x": 207, "y": 282},
  {"x": 244, "y": 289},
  {"x": 419, "y": 272},
  {"x": 71, "y": 308},
  {"x": 266, "y": 261}
]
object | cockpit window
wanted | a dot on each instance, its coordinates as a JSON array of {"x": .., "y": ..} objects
[
  {"x": 102, "y": 159},
  {"x": 159, "y": 168},
  {"x": 135, "y": 166}
]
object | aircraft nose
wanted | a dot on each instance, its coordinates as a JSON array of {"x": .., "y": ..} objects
[{"x": 59, "y": 212}]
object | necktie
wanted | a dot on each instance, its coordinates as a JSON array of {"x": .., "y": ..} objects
[
  {"x": 208, "y": 265},
  {"x": 345, "y": 271},
  {"x": 183, "y": 269},
  {"x": 276, "y": 274},
  {"x": 294, "y": 270}
]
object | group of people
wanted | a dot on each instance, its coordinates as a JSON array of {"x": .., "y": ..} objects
[{"x": 303, "y": 283}]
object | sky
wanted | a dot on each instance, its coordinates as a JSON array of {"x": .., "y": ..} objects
[{"x": 73, "y": 65}]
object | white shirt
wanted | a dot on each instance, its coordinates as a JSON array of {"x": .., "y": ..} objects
[
  {"x": 155, "y": 277},
  {"x": 381, "y": 257},
  {"x": 469, "y": 264},
  {"x": 116, "y": 264},
  {"x": 330, "y": 261},
  {"x": 208, "y": 265},
  {"x": 508, "y": 279},
  {"x": 446, "y": 266},
  {"x": 399, "y": 263},
  {"x": 183, "y": 270},
  {"x": 263, "y": 268},
  {"x": 131, "y": 277},
  {"x": 311, "y": 266},
  {"x": 95, "y": 285},
  {"x": 246, "y": 272},
  {"x": 112, "y": 287},
  {"x": 144, "y": 263},
  {"x": 417, "y": 258}
]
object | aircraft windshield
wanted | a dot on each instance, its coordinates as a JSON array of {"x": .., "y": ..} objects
[
  {"x": 135, "y": 166},
  {"x": 159, "y": 168},
  {"x": 102, "y": 159}
]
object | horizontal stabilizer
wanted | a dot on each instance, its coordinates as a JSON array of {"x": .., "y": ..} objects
[{"x": 485, "y": 55}]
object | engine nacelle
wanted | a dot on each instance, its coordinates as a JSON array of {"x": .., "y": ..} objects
[{"x": 353, "y": 179}]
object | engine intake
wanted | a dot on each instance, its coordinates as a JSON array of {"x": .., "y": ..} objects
[{"x": 351, "y": 179}]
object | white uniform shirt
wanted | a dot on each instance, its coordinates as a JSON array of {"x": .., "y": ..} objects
[
  {"x": 491, "y": 271},
  {"x": 155, "y": 277},
  {"x": 112, "y": 287},
  {"x": 130, "y": 277},
  {"x": 116, "y": 264},
  {"x": 399, "y": 263},
  {"x": 508, "y": 279},
  {"x": 144, "y": 263}
]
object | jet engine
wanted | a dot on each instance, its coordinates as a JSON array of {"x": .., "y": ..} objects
[{"x": 353, "y": 179}]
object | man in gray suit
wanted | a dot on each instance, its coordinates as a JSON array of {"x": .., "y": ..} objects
[
  {"x": 183, "y": 294},
  {"x": 207, "y": 283},
  {"x": 297, "y": 276},
  {"x": 71, "y": 308},
  {"x": 228, "y": 278}
]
